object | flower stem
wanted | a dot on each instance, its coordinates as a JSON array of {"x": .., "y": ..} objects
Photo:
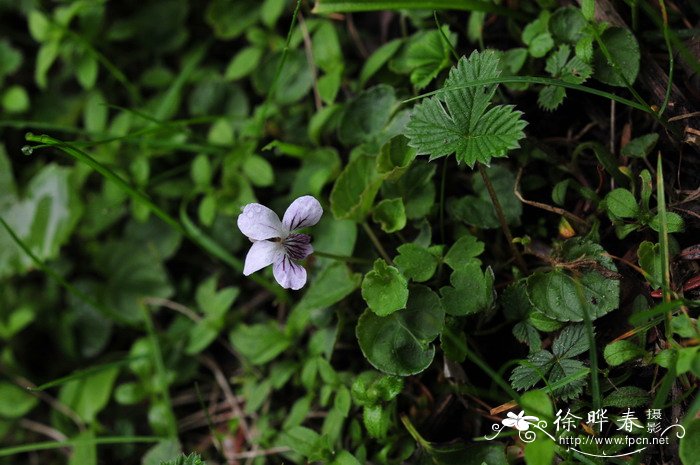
[
  {"x": 342, "y": 258},
  {"x": 377, "y": 245},
  {"x": 502, "y": 218}
]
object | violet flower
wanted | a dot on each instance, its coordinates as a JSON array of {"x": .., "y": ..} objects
[{"x": 274, "y": 241}]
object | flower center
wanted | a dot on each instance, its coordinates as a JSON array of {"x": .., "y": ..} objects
[{"x": 296, "y": 246}]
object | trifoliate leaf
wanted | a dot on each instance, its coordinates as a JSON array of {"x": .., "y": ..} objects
[
  {"x": 537, "y": 37},
  {"x": 384, "y": 289},
  {"x": 573, "y": 71},
  {"x": 458, "y": 119}
]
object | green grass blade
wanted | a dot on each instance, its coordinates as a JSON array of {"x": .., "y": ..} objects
[
  {"x": 543, "y": 81},
  {"x": 37, "y": 446},
  {"x": 351, "y": 6},
  {"x": 81, "y": 374}
]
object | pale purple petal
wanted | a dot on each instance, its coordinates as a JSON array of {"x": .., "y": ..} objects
[
  {"x": 302, "y": 213},
  {"x": 259, "y": 223},
  {"x": 288, "y": 274},
  {"x": 262, "y": 254},
  {"x": 298, "y": 246}
]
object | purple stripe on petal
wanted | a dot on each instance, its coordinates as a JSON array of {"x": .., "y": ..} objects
[
  {"x": 302, "y": 213},
  {"x": 288, "y": 274},
  {"x": 298, "y": 246}
]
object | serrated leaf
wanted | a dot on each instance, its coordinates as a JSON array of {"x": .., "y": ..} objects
[
  {"x": 529, "y": 373},
  {"x": 571, "y": 342},
  {"x": 562, "y": 369},
  {"x": 627, "y": 396},
  {"x": 457, "y": 120}
]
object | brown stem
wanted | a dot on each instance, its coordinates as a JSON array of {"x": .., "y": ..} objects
[{"x": 502, "y": 218}]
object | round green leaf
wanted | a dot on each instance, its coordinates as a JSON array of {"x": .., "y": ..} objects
[
  {"x": 15, "y": 99},
  {"x": 400, "y": 344}
]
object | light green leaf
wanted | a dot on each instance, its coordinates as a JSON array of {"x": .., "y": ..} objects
[
  {"x": 457, "y": 120},
  {"x": 674, "y": 222},
  {"x": 426, "y": 55},
  {"x": 619, "y": 352},
  {"x": 537, "y": 37},
  {"x": 384, "y": 289},
  {"x": 89, "y": 395},
  {"x": 43, "y": 218},
  {"x": 649, "y": 257},
  {"x": 243, "y": 63},
  {"x": 390, "y": 215},
  {"x": 378, "y": 59},
  {"x": 399, "y": 344},
  {"x": 259, "y": 343},
  {"x": 15, "y": 402},
  {"x": 15, "y": 99}
]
